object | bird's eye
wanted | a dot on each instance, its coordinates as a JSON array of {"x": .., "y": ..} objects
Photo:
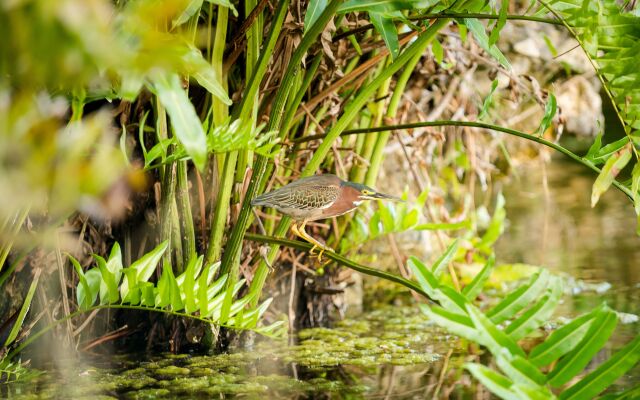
[{"x": 367, "y": 192}]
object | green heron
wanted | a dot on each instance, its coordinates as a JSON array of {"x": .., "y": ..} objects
[{"x": 318, "y": 197}]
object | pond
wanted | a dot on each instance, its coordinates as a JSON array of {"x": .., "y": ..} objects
[{"x": 393, "y": 352}]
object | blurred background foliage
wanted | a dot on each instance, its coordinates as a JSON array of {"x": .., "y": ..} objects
[{"x": 130, "y": 124}]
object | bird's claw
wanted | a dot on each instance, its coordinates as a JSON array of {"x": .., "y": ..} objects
[{"x": 321, "y": 252}]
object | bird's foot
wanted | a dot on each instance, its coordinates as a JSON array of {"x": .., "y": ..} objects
[{"x": 322, "y": 248}]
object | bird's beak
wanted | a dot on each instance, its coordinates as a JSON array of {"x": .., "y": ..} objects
[{"x": 382, "y": 196}]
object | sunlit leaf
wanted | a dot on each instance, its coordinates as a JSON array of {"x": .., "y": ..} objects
[
  {"x": 443, "y": 226},
  {"x": 520, "y": 298},
  {"x": 629, "y": 394},
  {"x": 192, "y": 8},
  {"x": 502, "y": 20},
  {"x": 498, "y": 384},
  {"x": 438, "y": 51},
  {"x": 476, "y": 27},
  {"x": 519, "y": 369},
  {"x": 382, "y": 6},
  {"x": 184, "y": 120},
  {"x": 611, "y": 168},
  {"x": 596, "y": 337},
  {"x": 539, "y": 313},
  {"x": 387, "y": 29},
  {"x": 457, "y": 324},
  {"x": 496, "y": 226},
  {"x": 24, "y": 309},
  {"x": 599, "y": 155},
  {"x": 428, "y": 282},
  {"x": 444, "y": 260},
  {"x": 205, "y": 74},
  {"x": 314, "y": 9},
  {"x": 108, "y": 286},
  {"x": 562, "y": 340},
  {"x": 607, "y": 373},
  {"x": 84, "y": 295},
  {"x": 550, "y": 110},
  {"x": 488, "y": 101},
  {"x": 472, "y": 290},
  {"x": 490, "y": 335}
]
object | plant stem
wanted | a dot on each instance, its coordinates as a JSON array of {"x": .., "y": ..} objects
[
  {"x": 231, "y": 255},
  {"x": 304, "y": 246},
  {"x": 343, "y": 122},
  {"x": 482, "y": 125},
  {"x": 228, "y": 161},
  {"x": 422, "y": 17},
  {"x": 188, "y": 236},
  {"x": 222, "y": 208}
]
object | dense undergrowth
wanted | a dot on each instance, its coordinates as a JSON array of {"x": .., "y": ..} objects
[{"x": 147, "y": 127}]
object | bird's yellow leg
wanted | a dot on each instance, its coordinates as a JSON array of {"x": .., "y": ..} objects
[
  {"x": 296, "y": 231},
  {"x": 316, "y": 244}
]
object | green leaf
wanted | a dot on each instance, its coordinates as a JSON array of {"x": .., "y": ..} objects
[
  {"x": 410, "y": 219},
  {"x": 387, "y": 216},
  {"x": 147, "y": 294},
  {"x": 496, "y": 226},
  {"x": 443, "y": 226},
  {"x": 387, "y": 29},
  {"x": 550, "y": 110},
  {"x": 225, "y": 3},
  {"x": 428, "y": 282},
  {"x": 445, "y": 259},
  {"x": 520, "y": 370},
  {"x": 381, "y": 6},
  {"x": 497, "y": 383},
  {"x": 472, "y": 290},
  {"x": 629, "y": 394},
  {"x": 130, "y": 86},
  {"x": 460, "y": 325},
  {"x": 594, "y": 148},
  {"x": 108, "y": 286},
  {"x": 176, "y": 296},
  {"x": 528, "y": 392},
  {"x": 184, "y": 120},
  {"x": 607, "y": 151},
  {"x": 607, "y": 373},
  {"x": 133, "y": 287},
  {"x": 205, "y": 74},
  {"x": 195, "y": 264},
  {"x": 539, "y": 313},
  {"x": 314, "y": 9},
  {"x": 216, "y": 304},
  {"x": 84, "y": 296},
  {"x": 192, "y": 8},
  {"x": 146, "y": 265},
  {"x": 519, "y": 298},
  {"x": 635, "y": 187},
  {"x": 26, "y": 304},
  {"x": 438, "y": 51},
  {"x": 481, "y": 37},
  {"x": 203, "y": 285},
  {"x": 216, "y": 287},
  {"x": 611, "y": 169},
  {"x": 490, "y": 336},
  {"x": 163, "y": 294},
  {"x": 488, "y": 101},
  {"x": 596, "y": 337},
  {"x": 502, "y": 20},
  {"x": 562, "y": 341}
]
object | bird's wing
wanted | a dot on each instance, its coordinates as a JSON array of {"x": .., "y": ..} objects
[{"x": 311, "y": 197}]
